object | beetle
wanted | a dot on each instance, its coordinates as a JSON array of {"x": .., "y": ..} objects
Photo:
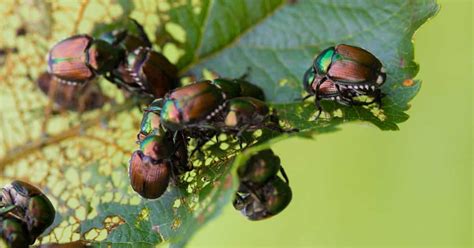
[
  {"x": 158, "y": 160},
  {"x": 35, "y": 208},
  {"x": 247, "y": 114},
  {"x": 326, "y": 89},
  {"x": 71, "y": 97},
  {"x": 14, "y": 232},
  {"x": 342, "y": 73},
  {"x": 265, "y": 201},
  {"x": 351, "y": 66},
  {"x": 191, "y": 105},
  {"x": 80, "y": 58},
  {"x": 262, "y": 193},
  {"x": 148, "y": 177},
  {"x": 146, "y": 72},
  {"x": 260, "y": 167},
  {"x": 142, "y": 70}
]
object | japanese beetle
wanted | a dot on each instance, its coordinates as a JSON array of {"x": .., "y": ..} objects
[
  {"x": 36, "y": 209},
  {"x": 146, "y": 72},
  {"x": 265, "y": 201},
  {"x": 342, "y": 72},
  {"x": 142, "y": 70},
  {"x": 262, "y": 193},
  {"x": 326, "y": 89},
  {"x": 152, "y": 167},
  {"x": 351, "y": 66},
  {"x": 168, "y": 147},
  {"x": 247, "y": 114},
  {"x": 149, "y": 177},
  {"x": 71, "y": 97},
  {"x": 260, "y": 167},
  {"x": 79, "y": 58},
  {"x": 14, "y": 232},
  {"x": 191, "y": 105}
]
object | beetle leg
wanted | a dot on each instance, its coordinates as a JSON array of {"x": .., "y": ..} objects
[
  {"x": 345, "y": 102},
  {"x": 242, "y": 130},
  {"x": 6, "y": 209},
  {"x": 189, "y": 166},
  {"x": 317, "y": 98},
  {"x": 303, "y": 98},
  {"x": 200, "y": 143},
  {"x": 246, "y": 73},
  {"x": 122, "y": 85},
  {"x": 283, "y": 173},
  {"x": 141, "y": 32},
  {"x": 378, "y": 97},
  {"x": 339, "y": 89},
  {"x": 113, "y": 79}
]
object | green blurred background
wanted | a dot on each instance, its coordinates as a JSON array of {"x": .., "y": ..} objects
[{"x": 362, "y": 187}]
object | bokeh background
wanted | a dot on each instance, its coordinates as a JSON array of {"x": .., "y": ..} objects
[{"x": 361, "y": 187}]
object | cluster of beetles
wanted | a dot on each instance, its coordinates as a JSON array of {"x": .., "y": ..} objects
[{"x": 201, "y": 110}]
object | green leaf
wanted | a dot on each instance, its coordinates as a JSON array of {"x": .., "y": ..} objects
[{"x": 81, "y": 160}]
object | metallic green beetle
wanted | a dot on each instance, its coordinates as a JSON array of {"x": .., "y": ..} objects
[
  {"x": 191, "y": 105},
  {"x": 265, "y": 201},
  {"x": 342, "y": 73},
  {"x": 14, "y": 232},
  {"x": 260, "y": 168},
  {"x": 351, "y": 66},
  {"x": 142, "y": 70},
  {"x": 34, "y": 207},
  {"x": 262, "y": 193},
  {"x": 247, "y": 114},
  {"x": 152, "y": 167}
]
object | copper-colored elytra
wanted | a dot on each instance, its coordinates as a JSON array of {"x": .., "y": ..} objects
[
  {"x": 68, "y": 59},
  {"x": 358, "y": 54},
  {"x": 160, "y": 74},
  {"x": 328, "y": 88},
  {"x": 62, "y": 94},
  {"x": 71, "y": 97},
  {"x": 197, "y": 100},
  {"x": 344, "y": 71},
  {"x": 146, "y": 178}
]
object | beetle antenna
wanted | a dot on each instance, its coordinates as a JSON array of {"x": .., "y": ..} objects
[{"x": 246, "y": 73}]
